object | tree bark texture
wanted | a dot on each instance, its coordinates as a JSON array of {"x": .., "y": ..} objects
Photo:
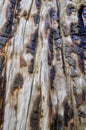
[{"x": 42, "y": 69}]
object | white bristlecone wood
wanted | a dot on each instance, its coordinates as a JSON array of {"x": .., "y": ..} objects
[{"x": 41, "y": 84}]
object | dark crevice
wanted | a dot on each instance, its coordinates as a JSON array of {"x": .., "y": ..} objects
[
  {"x": 33, "y": 44},
  {"x": 34, "y": 120},
  {"x": 54, "y": 123},
  {"x": 31, "y": 66},
  {"x": 18, "y": 82},
  {"x": 50, "y": 55},
  {"x": 68, "y": 113},
  {"x": 3, "y": 97},
  {"x": 2, "y": 87},
  {"x": 82, "y": 35},
  {"x": 52, "y": 75}
]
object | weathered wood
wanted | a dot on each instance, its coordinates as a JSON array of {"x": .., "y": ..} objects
[{"x": 42, "y": 65}]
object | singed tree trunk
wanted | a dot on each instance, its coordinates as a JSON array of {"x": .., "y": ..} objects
[{"x": 42, "y": 65}]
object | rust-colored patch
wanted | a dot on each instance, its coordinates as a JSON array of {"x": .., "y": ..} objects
[
  {"x": 84, "y": 94},
  {"x": 31, "y": 66},
  {"x": 25, "y": 14},
  {"x": 79, "y": 99},
  {"x": 22, "y": 62}
]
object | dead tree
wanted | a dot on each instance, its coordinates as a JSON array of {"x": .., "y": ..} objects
[{"x": 42, "y": 65}]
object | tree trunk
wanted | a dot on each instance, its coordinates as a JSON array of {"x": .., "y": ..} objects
[{"x": 42, "y": 65}]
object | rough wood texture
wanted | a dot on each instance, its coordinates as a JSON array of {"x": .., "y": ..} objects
[{"x": 42, "y": 65}]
